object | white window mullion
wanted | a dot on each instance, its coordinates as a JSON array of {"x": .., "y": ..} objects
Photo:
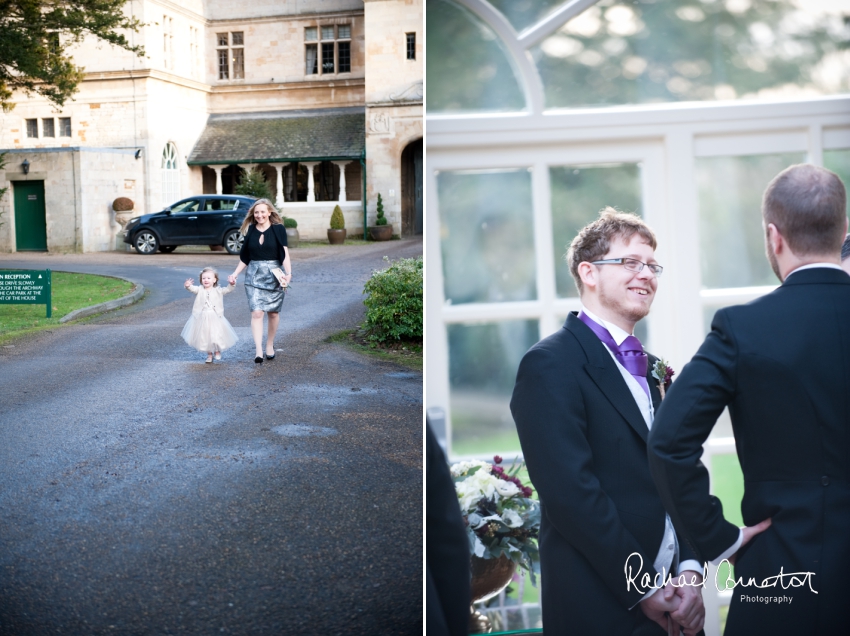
[
  {"x": 677, "y": 319},
  {"x": 437, "y": 347},
  {"x": 543, "y": 249},
  {"x": 816, "y": 144}
]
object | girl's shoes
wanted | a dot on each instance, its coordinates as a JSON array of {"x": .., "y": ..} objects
[
  {"x": 258, "y": 360},
  {"x": 210, "y": 358},
  {"x": 218, "y": 355}
]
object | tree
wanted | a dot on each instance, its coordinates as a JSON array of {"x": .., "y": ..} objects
[
  {"x": 253, "y": 183},
  {"x": 35, "y": 38}
]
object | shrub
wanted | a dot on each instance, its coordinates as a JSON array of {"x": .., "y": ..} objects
[
  {"x": 290, "y": 222},
  {"x": 253, "y": 184},
  {"x": 337, "y": 220},
  {"x": 381, "y": 220},
  {"x": 394, "y": 302},
  {"x": 122, "y": 204}
]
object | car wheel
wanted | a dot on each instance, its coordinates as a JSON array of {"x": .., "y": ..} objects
[
  {"x": 233, "y": 241},
  {"x": 145, "y": 242},
  {"x": 167, "y": 249}
]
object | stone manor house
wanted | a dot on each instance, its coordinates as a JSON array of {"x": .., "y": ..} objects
[{"x": 324, "y": 96}]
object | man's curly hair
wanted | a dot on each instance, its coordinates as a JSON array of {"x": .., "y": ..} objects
[{"x": 594, "y": 240}]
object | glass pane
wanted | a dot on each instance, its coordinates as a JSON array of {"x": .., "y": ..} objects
[
  {"x": 47, "y": 127},
  {"x": 578, "y": 194},
  {"x": 487, "y": 237},
  {"x": 344, "y": 57},
  {"x": 222, "y": 39},
  {"x": 525, "y": 13},
  {"x": 310, "y": 34},
  {"x": 731, "y": 238},
  {"x": 344, "y": 31},
  {"x": 681, "y": 50},
  {"x": 327, "y": 33},
  {"x": 327, "y": 57},
  {"x": 468, "y": 69},
  {"x": 483, "y": 360},
  {"x": 839, "y": 162},
  {"x": 238, "y": 38}
]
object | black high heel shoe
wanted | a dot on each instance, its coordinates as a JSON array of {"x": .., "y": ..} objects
[
  {"x": 269, "y": 357},
  {"x": 258, "y": 360}
]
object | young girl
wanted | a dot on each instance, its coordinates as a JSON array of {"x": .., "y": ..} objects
[{"x": 207, "y": 329}]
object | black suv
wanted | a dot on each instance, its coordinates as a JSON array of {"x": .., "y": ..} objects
[{"x": 212, "y": 219}]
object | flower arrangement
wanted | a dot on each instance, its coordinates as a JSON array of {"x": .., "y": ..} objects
[
  {"x": 501, "y": 518},
  {"x": 663, "y": 373}
]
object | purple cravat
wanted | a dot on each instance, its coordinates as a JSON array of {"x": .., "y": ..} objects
[{"x": 629, "y": 354}]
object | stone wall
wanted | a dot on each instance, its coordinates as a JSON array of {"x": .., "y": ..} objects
[
  {"x": 314, "y": 219},
  {"x": 79, "y": 187},
  {"x": 390, "y": 75}
]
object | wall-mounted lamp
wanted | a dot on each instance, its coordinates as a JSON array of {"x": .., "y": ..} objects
[
  {"x": 26, "y": 166},
  {"x": 139, "y": 153}
]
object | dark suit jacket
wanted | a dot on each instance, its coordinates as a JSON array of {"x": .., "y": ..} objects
[
  {"x": 584, "y": 442},
  {"x": 448, "y": 592},
  {"x": 782, "y": 365},
  {"x": 280, "y": 235}
]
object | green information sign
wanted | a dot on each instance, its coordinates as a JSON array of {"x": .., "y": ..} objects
[{"x": 25, "y": 287}]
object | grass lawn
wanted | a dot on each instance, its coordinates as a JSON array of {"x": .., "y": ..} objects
[
  {"x": 406, "y": 354},
  {"x": 69, "y": 292}
]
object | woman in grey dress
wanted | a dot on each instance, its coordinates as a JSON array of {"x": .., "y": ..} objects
[{"x": 263, "y": 250}]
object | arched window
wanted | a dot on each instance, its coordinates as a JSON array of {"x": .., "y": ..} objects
[{"x": 170, "y": 175}]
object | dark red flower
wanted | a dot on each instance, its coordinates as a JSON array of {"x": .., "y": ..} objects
[
  {"x": 527, "y": 491},
  {"x": 497, "y": 459},
  {"x": 498, "y": 470}
]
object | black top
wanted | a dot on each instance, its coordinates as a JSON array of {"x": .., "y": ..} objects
[
  {"x": 265, "y": 250},
  {"x": 270, "y": 250}
]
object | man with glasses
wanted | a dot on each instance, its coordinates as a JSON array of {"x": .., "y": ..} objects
[
  {"x": 583, "y": 405},
  {"x": 781, "y": 364}
]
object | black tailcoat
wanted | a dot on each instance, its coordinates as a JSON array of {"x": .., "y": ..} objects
[
  {"x": 584, "y": 442},
  {"x": 782, "y": 366}
]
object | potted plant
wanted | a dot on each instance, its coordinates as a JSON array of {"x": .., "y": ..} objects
[
  {"x": 382, "y": 231},
  {"x": 123, "y": 208},
  {"x": 502, "y": 523},
  {"x": 336, "y": 234},
  {"x": 292, "y": 235}
]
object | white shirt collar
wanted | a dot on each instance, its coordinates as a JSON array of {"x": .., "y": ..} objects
[
  {"x": 616, "y": 332},
  {"x": 812, "y": 266}
]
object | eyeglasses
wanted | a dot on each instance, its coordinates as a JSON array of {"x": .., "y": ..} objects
[{"x": 631, "y": 264}]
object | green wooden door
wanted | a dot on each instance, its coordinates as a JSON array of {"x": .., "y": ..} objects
[{"x": 30, "y": 225}]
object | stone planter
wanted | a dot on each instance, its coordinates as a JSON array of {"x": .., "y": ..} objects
[
  {"x": 336, "y": 237},
  {"x": 292, "y": 236},
  {"x": 381, "y": 232}
]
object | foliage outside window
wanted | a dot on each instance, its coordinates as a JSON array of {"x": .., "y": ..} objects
[{"x": 627, "y": 52}]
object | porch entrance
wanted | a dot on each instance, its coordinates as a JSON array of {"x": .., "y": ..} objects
[{"x": 411, "y": 189}]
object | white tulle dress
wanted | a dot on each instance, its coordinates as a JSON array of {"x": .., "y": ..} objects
[{"x": 207, "y": 331}]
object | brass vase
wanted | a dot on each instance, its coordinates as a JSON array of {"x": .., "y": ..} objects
[{"x": 489, "y": 577}]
